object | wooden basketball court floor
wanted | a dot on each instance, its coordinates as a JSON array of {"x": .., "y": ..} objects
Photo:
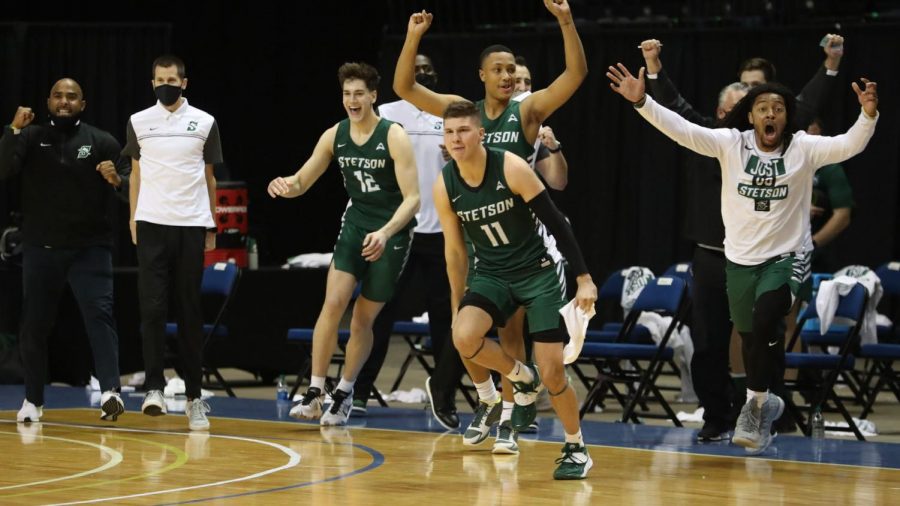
[{"x": 255, "y": 454}]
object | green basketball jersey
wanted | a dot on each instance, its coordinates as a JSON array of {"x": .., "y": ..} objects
[
  {"x": 498, "y": 223},
  {"x": 369, "y": 177},
  {"x": 505, "y": 131}
]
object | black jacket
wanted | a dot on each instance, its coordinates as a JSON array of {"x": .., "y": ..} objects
[{"x": 64, "y": 197}]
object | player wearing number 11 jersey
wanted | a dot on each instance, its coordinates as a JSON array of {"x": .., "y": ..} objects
[{"x": 376, "y": 159}]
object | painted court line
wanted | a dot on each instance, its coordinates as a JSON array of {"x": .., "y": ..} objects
[
  {"x": 294, "y": 460},
  {"x": 114, "y": 459}
]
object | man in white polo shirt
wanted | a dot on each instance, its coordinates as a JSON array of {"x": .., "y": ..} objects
[{"x": 173, "y": 147}]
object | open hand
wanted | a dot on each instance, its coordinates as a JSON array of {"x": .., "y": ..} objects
[{"x": 626, "y": 84}]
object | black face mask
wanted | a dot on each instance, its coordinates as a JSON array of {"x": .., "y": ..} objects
[
  {"x": 65, "y": 122},
  {"x": 427, "y": 80},
  {"x": 168, "y": 94}
]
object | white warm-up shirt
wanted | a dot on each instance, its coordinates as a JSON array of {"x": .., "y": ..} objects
[
  {"x": 173, "y": 149},
  {"x": 766, "y": 197},
  {"x": 426, "y": 133}
]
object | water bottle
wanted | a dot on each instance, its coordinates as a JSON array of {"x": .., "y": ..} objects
[
  {"x": 281, "y": 390},
  {"x": 252, "y": 254},
  {"x": 817, "y": 425}
]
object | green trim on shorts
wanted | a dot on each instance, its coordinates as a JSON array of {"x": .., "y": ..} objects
[{"x": 745, "y": 284}]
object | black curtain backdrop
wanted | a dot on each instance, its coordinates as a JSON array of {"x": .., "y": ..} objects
[
  {"x": 269, "y": 77},
  {"x": 626, "y": 194}
]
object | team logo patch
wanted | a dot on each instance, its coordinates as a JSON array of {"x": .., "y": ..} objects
[
  {"x": 439, "y": 125},
  {"x": 380, "y": 147},
  {"x": 83, "y": 152},
  {"x": 500, "y": 186},
  {"x": 192, "y": 126},
  {"x": 512, "y": 119}
]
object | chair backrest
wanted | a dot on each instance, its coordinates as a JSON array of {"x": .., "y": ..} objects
[
  {"x": 219, "y": 279},
  {"x": 663, "y": 294},
  {"x": 851, "y": 306},
  {"x": 681, "y": 270},
  {"x": 889, "y": 274},
  {"x": 612, "y": 287}
]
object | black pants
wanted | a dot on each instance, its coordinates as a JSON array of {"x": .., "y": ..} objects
[
  {"x": 763, "y": 348},
  {"x": 45, "y": 272},
  {"x": 711, "y": 333},
  {"x": 171, "y": 258},
  {"x": 426, "y": 269}
]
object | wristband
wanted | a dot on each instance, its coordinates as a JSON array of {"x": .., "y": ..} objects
[{"x": 558, "y": 147}]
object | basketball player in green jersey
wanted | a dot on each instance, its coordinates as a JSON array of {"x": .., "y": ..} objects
[
  {"x": 509, "y": 125},
  {"x": 494, "y": 198},
  {"x": 376, "y": 159}
]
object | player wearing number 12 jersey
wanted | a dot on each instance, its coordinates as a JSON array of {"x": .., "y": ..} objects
[{"x": 376, "y": 159}]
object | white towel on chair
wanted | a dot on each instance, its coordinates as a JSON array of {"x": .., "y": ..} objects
[
  {"x": 576, "y": 325},
  {"x": 830, "y": 292}
]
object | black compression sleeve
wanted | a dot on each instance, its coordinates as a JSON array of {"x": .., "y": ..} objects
[{"x": 546, "y": 211}]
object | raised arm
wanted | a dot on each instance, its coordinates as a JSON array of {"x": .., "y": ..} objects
[
  {"x": 552, "y": 165},
  {"x": 705, "y": 141},
  {"x": 813, "y": 100},
  {"x": 13, "y": 144},
  {"x": 407, "y": 179},
  {"x": 303, "y": 179},
  {"x": 454, "y": 245},
  {"x": 405, "y": 85},
  {"x": 828, "y": 150},
  {"x": 663, "y": 89},
  {"x": 538, "y": 106}
]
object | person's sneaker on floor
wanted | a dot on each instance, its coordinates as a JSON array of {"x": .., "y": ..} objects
[
  {"x": 445, "y": 415},
  {"x": 712, "y": 431},
  {"x": 574, "y": 463},
  {"x": 746, "y": 430},
  {"x": 196, "y": 410},
  {"x": 754, "y": 425},
  {"x": 29, "y": 413},
  {"x": 154, "y": 403},
  {"x": 339, "y": 411},
  {"x": 485, "y": 416},
  {"x": 525, "y": 395},
  {"x": 507, "y": 441},
  {"x": 111, "y": 405},
  {"x": 310, "y": 406},
  {"x": 358, "y": 410},
  {"x": 772, "y": 410}
]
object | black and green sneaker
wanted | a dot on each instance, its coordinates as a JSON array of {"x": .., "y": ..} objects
[
  {"x": 486, "y": 415},
  {"x": 507, "y": 441},
  {"x": 525, "y": 395},
  {"x": 574, "y": 463}
]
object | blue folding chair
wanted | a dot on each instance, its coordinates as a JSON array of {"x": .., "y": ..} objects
[
  {"x": 216, "y": 290},
  {"x": 666, "y": 296},
  {"x": 827, "y": 368},
  {"x": 882, "y": 355}
]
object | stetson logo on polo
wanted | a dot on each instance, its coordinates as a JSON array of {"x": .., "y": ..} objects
[
  {"x": 192, "y": 126},
  {"x": 84, "y": 152},
  {"x": 763, "y": 187}
]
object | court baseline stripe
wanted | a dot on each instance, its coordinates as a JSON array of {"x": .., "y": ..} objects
[
  {"x": 114, "y": 456},
  {"x": 293, "y": 461}
]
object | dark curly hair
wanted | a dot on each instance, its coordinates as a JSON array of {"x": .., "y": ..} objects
[{"x": 737, "y": 118}]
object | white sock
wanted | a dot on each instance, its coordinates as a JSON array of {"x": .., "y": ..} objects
[
  {"x": 521, "y": 373},
  {"x": 346, "y": 386},
  {"x": 506, "y": 414},
  {"x": 486, "y": 391},
  {"x": 759, "y": 396},
  {"x": 317, "y": 382},
  {"x": 575, "y": 438}
]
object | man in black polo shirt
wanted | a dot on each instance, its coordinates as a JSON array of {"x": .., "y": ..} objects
[{"x": 69, "y": 170}]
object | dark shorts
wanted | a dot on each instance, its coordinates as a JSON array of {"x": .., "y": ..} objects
[
  {"x": 541, "y": 292},
  {"x": 379, "y": 278}
]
